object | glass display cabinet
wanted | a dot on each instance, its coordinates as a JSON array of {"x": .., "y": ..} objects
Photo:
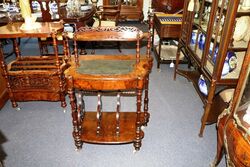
[
  {"x": 130, "y": 9},
  {"x": 234, "y": 125},
  {"x": 214, "y": 39}
]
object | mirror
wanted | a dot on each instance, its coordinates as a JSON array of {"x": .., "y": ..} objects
[
  {"x": 242, "y": 113},
  {"x": 124, "y": 2}
]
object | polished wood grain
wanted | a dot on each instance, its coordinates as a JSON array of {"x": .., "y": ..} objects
[
  {"x": 33, "y": 78},
  {"x": 116, "y": 127},
  {"x": 14, "y": 30}
]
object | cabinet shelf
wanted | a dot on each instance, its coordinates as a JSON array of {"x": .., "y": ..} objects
[{"x": 107, "y": 134}]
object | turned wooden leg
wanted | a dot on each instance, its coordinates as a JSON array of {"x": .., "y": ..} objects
[
  {"x": 76, "y": 124},
  {"x": 207, "y": 107},
  {"x": 118, "y": 108},
  {"x": 146, "y": 113},
  {"x": 62, "y": 91},
  {"x": 81, "y": 107},
  {"x": 177, "y": 61},
  {"x": 137, "y": 142},
  {"x": 220, "y": 150},
  {"x": 220, "y": 140},
  {"x": 6, "y": 76},
  {"x": 99, "y": 113}
]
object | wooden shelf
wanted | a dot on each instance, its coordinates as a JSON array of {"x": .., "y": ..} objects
[{"x": 108, "y": 133}]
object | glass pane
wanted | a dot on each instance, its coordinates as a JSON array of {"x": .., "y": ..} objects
[
  {"x": 216, "y": 29},
  {"x": 129, "y": 2},
  {"x": 245, "y": 99},
  {"x": 113, "y": 2},
  {"x": 242, "y": 113},
  {"x": 198, "y": 35}
]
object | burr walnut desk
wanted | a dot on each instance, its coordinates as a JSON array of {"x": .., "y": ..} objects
[
  {"x": 30, "y": 78},
  {"x": 113, "y": 75}
]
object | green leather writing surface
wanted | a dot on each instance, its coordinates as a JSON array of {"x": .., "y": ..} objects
[{"x": 106, "y": 67}]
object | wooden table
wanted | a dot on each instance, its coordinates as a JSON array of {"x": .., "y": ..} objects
[{"x": 85, "y": 17}]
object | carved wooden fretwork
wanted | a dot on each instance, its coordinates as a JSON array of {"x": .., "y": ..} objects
[{"x": 31, "y": 82}]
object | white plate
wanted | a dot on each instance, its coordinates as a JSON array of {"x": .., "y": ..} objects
[
  {"x": 86, "y": 7},
  {"x": 2, "y": 15}
]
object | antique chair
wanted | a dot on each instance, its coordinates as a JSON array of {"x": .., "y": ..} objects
[
  {"x": 50, "y": 12},
  {"x": 113, "y": 75},
  {"x": 108, "y": 15}
]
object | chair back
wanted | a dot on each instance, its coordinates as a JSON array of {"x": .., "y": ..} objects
[
  {"x": 50, "y": 9},
  {"x": 109, "y": 13}
]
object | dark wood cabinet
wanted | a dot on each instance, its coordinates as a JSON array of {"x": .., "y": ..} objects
[
  {"x": 130, "y": 10},
  {"x": 167, "y": 6},
  {"x": 209, "y": 41},
  {"x": 3, "y": 91}
]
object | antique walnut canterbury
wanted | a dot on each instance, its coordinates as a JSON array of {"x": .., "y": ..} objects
[{"x": 34, "y": 78}]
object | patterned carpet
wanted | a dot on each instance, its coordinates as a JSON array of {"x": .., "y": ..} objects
[{"x": 141, "y": 25}]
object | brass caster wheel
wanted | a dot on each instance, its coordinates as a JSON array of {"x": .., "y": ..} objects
[
  {"x": 212, "y": 164},
  {"x": 159, "y": 70},
  {"x": 135, "y": 151},
  {"x": 18, "y": 109},
  {"x": 77, "y": 150},
  {"x": 64, "y": 110}
]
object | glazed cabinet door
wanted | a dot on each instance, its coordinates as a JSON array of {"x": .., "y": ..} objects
[
  {"x": 217, "y": 39},
  {"x": 130, "y": 9},
  {"x": 214, "y": 38}
]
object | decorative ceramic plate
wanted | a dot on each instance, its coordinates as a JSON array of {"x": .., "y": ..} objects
[
  {"x": 203, "y": 85},
  {"x": 86, "y": 7}
]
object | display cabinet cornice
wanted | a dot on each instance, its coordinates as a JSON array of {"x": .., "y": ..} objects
[
  {"x": 130, "y": 10},
  {"x": 213, "y": 40}
]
